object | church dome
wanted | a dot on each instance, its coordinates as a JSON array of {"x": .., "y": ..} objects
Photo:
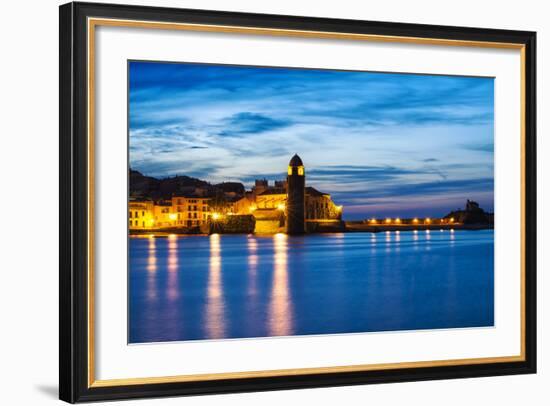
[{"x": 296, "y": 161}]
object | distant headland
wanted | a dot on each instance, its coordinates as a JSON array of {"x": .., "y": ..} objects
[{"x": 186, "y": 205}]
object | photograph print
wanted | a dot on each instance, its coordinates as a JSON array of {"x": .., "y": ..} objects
[{"x": 273, "y": 201}]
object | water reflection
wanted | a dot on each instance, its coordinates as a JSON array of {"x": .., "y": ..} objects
[
  {"x": 397, "y": 240},
  {"x": 428, "y": 238},
  {"x": 236, "y": 286},
  {"x": 215, "y": 319},
  {"x": 173, "y": 291},
  {"x": 373, "y": 243},
  {"x": 152, "y": 269},
  {"x": 252, "y": 245},
  {"x": 280, "y": 308}
]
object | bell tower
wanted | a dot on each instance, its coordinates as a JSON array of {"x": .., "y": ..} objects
[{"x": 296, "y": 196}]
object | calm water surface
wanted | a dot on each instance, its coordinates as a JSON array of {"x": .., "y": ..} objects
[{"x": 234, "y": 286}]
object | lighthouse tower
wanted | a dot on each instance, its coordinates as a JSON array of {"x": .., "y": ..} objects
[{"x": 296, "y": 196}]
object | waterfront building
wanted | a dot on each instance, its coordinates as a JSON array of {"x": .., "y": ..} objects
[
  {"x": 260, "y": 185},
  {"x": 284, "y": 206},
  {"x": 140, "y": 214},
  {"x": 272, "y": 198},
  {"x": 191, "y": 211},
  {"x": 180, "y": 211},
  {"x": 319, "y": 207},
  {"x": 270, "y": 204},
  {"x": 163, "y": 215}
]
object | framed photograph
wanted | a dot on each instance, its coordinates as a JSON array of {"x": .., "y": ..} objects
[{"x": 255, "y": 202}]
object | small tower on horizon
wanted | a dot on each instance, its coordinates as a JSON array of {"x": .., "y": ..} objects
[{"x": 296, "y": 196}]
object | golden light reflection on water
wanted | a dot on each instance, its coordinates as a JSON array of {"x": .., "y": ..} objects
[
  {"x": 388, "y": 242},
  {"x": 215, "y": 306},
  {"x": 428, "y": 238},
  {"x": 397, "y": 241},
  {"x": 173, "y": 287},
  {"x": 152, "y": 269},
  {"x": 373, "y": 243},
  {"x": 280, "y": 307},
  {"x": 152, "y": 258},
  {"x": 252, "y": 245}
]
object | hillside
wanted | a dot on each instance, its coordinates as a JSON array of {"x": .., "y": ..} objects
[{"x": 148, "y": 187}]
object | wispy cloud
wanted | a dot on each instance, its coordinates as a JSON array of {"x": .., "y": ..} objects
[
  {"x": 481, "y": 147},
  {"x": 247, "y": 123}
]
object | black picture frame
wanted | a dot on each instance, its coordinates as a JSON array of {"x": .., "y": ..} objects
[{"x": 74, "y": 202}]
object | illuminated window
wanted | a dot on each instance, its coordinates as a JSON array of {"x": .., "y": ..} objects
[
  {"x": 290, "y": 170},
  {"x": 301, "y": 170}
]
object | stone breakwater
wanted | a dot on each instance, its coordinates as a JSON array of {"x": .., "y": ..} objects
[{"x": 361, "y": 227}]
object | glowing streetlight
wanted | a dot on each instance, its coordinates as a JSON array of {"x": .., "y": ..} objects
[
  {"x": 216, "y": 216},
  {"x": 415, "y": 220},
  {"x": 397, "y": 220},
  {"x": 427, "y": 220},
  {"x": 388, "y": 221},
  {"x": 172, "y": 216},
  {"x": 373, "y": 221},
  {"x": 281, "y": 206}
]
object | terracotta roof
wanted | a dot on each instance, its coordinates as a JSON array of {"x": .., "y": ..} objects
[
  {"x": 273, "y": 191},
  {"x": 314, "y": 192}
]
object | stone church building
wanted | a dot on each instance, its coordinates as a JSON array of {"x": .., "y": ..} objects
[{"x": 289, "y": 206}]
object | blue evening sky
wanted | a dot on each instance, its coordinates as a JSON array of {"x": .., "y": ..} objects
[{"x": 382, "y": 144}]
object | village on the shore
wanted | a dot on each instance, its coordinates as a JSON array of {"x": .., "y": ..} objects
[{"x": 184, "y": 205}]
